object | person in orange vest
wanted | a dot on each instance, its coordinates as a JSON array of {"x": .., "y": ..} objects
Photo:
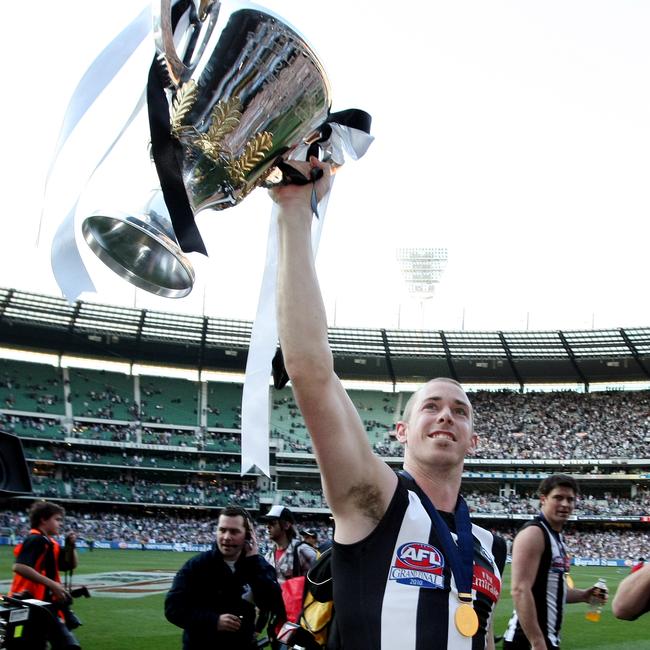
[{"x": 36, "y": 569}]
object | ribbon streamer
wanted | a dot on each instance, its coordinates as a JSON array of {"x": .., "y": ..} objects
[
  {"x": 67, "y": 265},
  {"x": 69, "y": 269},
  {"x": 255, "y": 427}
]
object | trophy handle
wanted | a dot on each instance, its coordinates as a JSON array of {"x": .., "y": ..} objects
[{"x": 178, "y": 71}]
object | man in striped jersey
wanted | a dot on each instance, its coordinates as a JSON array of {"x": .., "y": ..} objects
[
  {"x": 541, "y": 585},
  {"x": 410, "y": 571}
]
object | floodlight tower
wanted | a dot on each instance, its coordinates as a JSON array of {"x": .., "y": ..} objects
[{"x": 422, "y": 269}]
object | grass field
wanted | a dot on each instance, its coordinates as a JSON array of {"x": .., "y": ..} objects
[{"x": 139, "y": 624}]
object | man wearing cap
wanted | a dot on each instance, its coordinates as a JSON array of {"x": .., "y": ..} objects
[
  {"x": 310, "y": 537},
  {"x": 290, "y": 556},
  {"x": 410, "y": 570}
]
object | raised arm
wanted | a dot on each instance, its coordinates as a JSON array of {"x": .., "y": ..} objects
[{"x": 358, "y": 485}]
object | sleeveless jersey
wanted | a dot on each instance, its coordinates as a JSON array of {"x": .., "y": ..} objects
[
  {"x": 395, "y": 589},
  {"x": 549, "y": 588}
]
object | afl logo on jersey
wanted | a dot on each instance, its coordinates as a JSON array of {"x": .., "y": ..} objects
[{"x": 419, "y": 565}]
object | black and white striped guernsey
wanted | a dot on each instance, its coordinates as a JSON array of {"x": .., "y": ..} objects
[
  {"x": 394, "y": 590},
  {"x": 549, "y": 589}
]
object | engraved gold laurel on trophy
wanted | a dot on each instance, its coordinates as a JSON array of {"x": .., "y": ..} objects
[
  {"x": 254, "y": 152},
  {"x": 224, "y": 118}
]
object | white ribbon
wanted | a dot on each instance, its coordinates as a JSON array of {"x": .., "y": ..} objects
[
  {"x": 255, "y": 420},
  {"x": 69, "y": 269},
  {"x": 67, "y": 265}
]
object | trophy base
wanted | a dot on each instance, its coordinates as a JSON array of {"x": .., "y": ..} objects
[{"x": 140, "y": 253}]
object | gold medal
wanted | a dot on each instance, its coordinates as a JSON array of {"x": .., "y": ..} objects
[
  {"x": 569, "y": 581},
  {"x": 466, "y": 620}
]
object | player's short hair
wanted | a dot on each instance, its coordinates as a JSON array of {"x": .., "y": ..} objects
[
  {"x": 42, "y": 511},
  {"x": 410, "y": 404},
  {"x": 237, "y": 511},
  {"x": 558, "y": 480}
]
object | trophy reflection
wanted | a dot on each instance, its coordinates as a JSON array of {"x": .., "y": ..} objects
[{"x": 234, "y": 91}]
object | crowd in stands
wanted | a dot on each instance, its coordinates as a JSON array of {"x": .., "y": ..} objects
[
  {"x": 511, "y": 425},
  {"x": 533, "y": 425},
  {"x": 30, "y": 426},
  {"x": 563, "y": 424},
  {"x": 127, "y": 489},
  {"x": 559, "y": 425},
  {"x": 602, "y": 544},
  {"x": 171, "y": 528},
  {"x": 104, "y": 431},
  {"x": 42, "y": 393},
  {"x": 133, "y": 458},
  {"x": 605, "y": 505},
  {"x": 588, "y": 505},
  {"x": 194, "y": 491}
]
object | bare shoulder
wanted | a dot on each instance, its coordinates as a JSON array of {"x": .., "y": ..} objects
[{"x": 529, "y": 540}]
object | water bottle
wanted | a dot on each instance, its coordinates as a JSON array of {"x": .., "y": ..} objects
[{"x": 595, "y": 604}]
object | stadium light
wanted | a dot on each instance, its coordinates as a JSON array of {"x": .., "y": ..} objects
[{"x": 422, "y": 270}]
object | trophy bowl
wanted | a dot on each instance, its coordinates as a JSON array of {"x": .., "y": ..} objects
[{"x": 242, "y": 90}]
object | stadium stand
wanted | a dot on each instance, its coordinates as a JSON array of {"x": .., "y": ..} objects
[
  {"x": 31, "y": 388},
  {"x": 224, "y": 405},
  {"x": 101, "y": 394},
  {"x": 168, "y": 400},
  {"x": 139, "y": 455}
]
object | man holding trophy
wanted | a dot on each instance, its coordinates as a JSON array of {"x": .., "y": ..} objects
[
  {"x": 249, "y": 98},
  {"x": 409, "y": 568}
]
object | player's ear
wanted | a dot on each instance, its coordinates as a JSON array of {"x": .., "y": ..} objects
[
  {"x": 400, "y": 431},
  {"x": 473, "y": 444}
]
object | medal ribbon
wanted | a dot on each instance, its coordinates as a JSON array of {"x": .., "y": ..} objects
[{"x": 461, "y": 555}]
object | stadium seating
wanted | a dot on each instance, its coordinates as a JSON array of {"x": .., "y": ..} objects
[
  {"x": 104, "y": 452},
  {"x": 169, "y": 400},
  {"x": 31, "y": 387},
  {"x": 224, "y": 405},
  {"x": 101, "y": 394}
]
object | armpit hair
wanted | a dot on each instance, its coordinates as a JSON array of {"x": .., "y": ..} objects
[{"x": 367, "y": 499}]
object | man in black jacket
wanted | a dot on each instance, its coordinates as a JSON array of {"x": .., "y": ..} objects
[{"x": 214, "y": 595}]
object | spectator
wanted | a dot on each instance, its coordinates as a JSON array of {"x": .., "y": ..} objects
[
  {"x": 289, "y": 556},
  {"x": 214, "y": 596}
]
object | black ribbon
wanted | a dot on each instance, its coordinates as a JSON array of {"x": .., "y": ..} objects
[
  {"x": 461, "y": 555},
  {"x": 352, "y": 117},
  {"x": 167, "y": 154}
]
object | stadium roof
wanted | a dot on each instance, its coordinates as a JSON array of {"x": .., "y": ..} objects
[{"x": 49, "y": 323}]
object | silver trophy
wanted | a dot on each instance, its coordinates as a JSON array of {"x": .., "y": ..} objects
[{"x": 242, "y": 90}]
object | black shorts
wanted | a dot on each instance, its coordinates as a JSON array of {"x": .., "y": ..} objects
[{"x": 520, "y": 642}]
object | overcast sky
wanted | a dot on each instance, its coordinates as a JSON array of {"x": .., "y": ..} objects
[{"x": 515, "y": 134}]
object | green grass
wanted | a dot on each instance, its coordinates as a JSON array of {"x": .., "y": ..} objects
[
  {"x": 579, "y": 634},
  {"x": 120, "y": 624},
  {"x": 139, "y": 623}
]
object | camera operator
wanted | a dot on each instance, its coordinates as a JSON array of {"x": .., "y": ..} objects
[
  {"x": 36, "y": 570},
  {"x": 215, "y": 594}
]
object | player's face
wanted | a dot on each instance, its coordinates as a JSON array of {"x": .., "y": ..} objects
[
  {"x": 52, "y": 526},
  {"x": 231, "y": 536},
  {"x": 440, "y": 427},
  {"x": 558, "y": 505}
]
